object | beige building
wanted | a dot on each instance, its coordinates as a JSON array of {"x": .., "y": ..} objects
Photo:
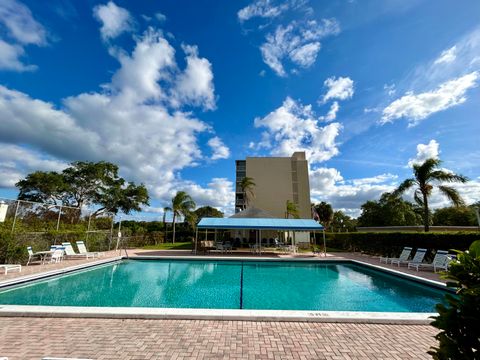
[{"x": 277, "y": 179}]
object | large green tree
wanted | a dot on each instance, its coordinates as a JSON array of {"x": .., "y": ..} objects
[
  {"x": 426, "y": 176},
  {"x": 208, "y": 211},
  {"x": 84, "y": 184},
  {"x": 343, "y": 222},
  {"x": 182, "y": 205},
  {"x": 325, "y": 213},
  {"x": 247, "y": 185},
  {"x": 389, "y": 210},
  {"x": 455, "y": 216}
]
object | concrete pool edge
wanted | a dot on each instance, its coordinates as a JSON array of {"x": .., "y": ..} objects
[
  {"x": 213, "y": 314},
  {"x": 43, "y": 275}
]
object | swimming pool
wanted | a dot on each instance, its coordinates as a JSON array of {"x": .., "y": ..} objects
[{"x": 260, "y": 285}]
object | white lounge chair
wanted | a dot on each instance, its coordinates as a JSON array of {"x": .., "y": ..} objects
[
  {"x": 82, "y": 249},
  {"x": 440, "y": 261},
  {"x": 418, "y": 258},
  {"x": 402, "y": 258},
  {"x": 71, "y": 254},
  {"x": 11, "y": 267},
  {"x": 33, "y": 256},
  {"x": 57, "y": 254}
]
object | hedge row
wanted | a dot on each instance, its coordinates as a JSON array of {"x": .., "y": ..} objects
[{"x": 391, "y": 244}]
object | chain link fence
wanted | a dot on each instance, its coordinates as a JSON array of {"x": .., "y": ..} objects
[{"x": 40, "y": 225}]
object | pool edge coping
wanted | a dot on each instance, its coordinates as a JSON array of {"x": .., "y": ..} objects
[
  {"x": 214, "y": 314},
  {"x": 396, "y": 318}
]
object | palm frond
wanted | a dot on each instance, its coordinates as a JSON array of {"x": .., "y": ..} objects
[
  {"x": 452, "y": 194},
  {"x": 445, "y": 176},
  {"x": 417, "y": 196},
  {"x": 404, "y": 186},
  {"x": 423, "y": 171}
]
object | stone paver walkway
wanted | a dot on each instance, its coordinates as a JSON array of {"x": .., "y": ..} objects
[{"x": 33, "y": 338}]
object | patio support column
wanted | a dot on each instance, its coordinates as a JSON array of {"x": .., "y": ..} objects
[
  {"x": 196, "y": 240},
  {"x": 215, "y": 236},
  {"x": 294, "y": 242},
  {"x": 260, "y": 242},
  {"x": 324, "y": 244}
]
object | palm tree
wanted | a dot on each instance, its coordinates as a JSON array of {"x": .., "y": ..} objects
[
  {"x": 424, "y": 176},
  {"x": 247, "y": 184},
  {"x": 292, "y": 210},
  {"x": 165, "y": 210},
  {"x": 182, "y": 204},
  {"x": 325, "y": 213}
]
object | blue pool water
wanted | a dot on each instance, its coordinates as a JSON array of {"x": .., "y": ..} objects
[{"x": 338, "y": 286}]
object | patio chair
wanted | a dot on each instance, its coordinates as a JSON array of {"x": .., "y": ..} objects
[
  {"x": 11, "y": 267},
  {"x": 440, "y": 261},
  {"x": 219, "y": 247},
  {"x": 227, "y": 247},
  {"x": 82, "y": 249},
  {"x": 57, "y": 254},
  {"x": 33, "y": 256},
  {"x": 403, "y": 256},
  {"x": 71, "y": 254},
  {"x": 418, "y": 258}
]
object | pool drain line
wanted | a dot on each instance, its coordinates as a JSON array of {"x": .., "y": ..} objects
[{"x": 241, "y": 288}]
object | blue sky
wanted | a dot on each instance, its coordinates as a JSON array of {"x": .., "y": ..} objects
[{"x": 175, "y": 91}]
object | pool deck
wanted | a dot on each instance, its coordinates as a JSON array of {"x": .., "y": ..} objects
[{"x": 96, "y": 338}]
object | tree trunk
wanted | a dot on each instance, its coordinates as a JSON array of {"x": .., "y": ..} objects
[
  {"x": 174, "y": 217},
  {"x": 426, "y": 220},
  {"x": 164, "y": 228}
]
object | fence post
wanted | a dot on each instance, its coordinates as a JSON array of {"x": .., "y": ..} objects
[
  {"x": 88, "y": 228},
  {"x": 15, "y": 217}
]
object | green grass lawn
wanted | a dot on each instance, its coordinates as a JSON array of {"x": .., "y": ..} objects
[{"x": 170, "y": 246}]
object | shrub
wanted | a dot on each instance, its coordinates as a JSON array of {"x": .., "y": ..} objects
[
  {"x": 389, "y": 244},
  {"x": 459, "y": 320}
]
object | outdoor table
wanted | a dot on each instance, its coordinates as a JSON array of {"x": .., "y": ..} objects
[{"x": 43, "y": 255}]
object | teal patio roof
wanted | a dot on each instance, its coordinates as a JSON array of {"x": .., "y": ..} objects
[{"x": 260, "y": 224}]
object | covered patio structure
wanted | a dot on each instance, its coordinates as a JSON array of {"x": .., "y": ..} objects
[{"x": 259, "y": 224}]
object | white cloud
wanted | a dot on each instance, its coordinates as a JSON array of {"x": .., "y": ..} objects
[
  {"x": 218, "y": 193},
  {"x": 447, "y": 56},
  {"x": 10, "y": 57},
  {"x": 20, "y": 24},
  {"x": 219, "y": 149},
  {"x": 195, "y": 84},
  {"x": 390, "y": 89},
  {"x": 332, "y": 113},
  {"x": 115, "y": 20},
  {"x": 327, "y": 184},
  {"x": 160, "y": 17},
  {"x": 297, "y": 42},
  {"x": 13, "y": 155},
  {"x": 131, "y": 123},
  {"x": 305, "y": 55},
  {"x": 424, "y": 152},
  {"x": 21, "y": 29},
  {"x": 340, "y": 88},
  {"x": 294, "y": 127},
  {"x": 416, "y": 107},
  {"x": 265, "y": 9}
]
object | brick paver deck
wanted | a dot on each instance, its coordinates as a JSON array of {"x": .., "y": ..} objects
[{"x": 33, "y": 338}]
